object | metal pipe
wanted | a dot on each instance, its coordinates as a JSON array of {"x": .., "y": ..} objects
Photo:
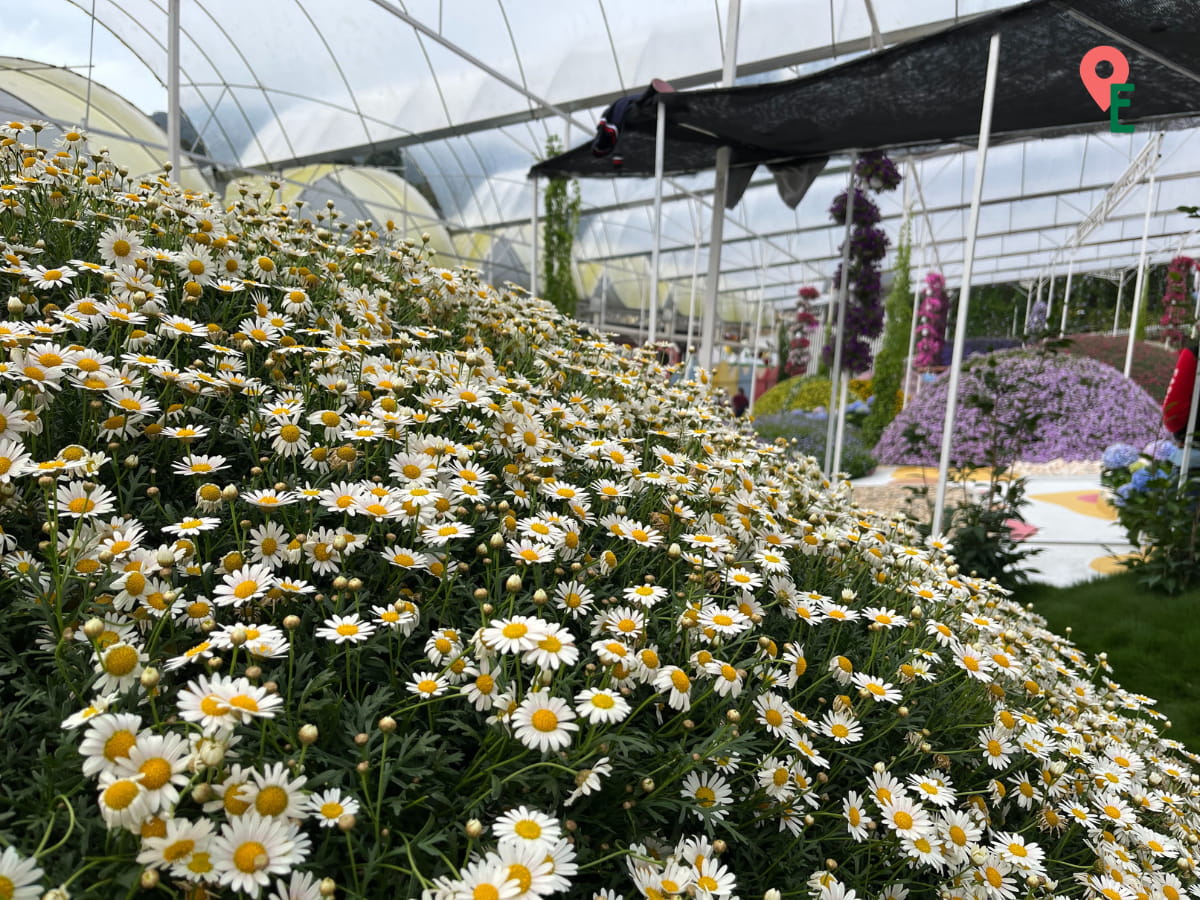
[
  {"x": 708, "y": 324},
  {"x": 964, "y": 295},
  {"x": 660, "y": 140},
  {"x": 533, "y": 222},
  {"x": 1062, "y": 328},
  {"x": 1139, "y": 282},
  {"x": 173, "y": 116},
  {"x": 1117, "y": 314},
  {"x": 835, "y": 373}
]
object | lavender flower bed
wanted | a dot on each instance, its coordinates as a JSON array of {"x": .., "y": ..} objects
[{"x": 1089, "y": 406}]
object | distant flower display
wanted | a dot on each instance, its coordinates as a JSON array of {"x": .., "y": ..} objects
[
  {"x": 1178, "y": 311},
  {"x": 1089, "y": 407},
  {"x": 931, "y": 321},
  {"x": 798, "y": 342}
]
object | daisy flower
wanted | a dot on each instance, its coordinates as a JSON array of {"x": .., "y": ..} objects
[
  {"x": 678, "y": 686},
  {"x": 907, "y": 819},
  {"x": 437, "y": 535},
  {"x": 123, "y": 802},
  {"x": 555, "y": 648},
  {"x": 842, "y": 726},
  {"x": 527, "y": 826},
  {"x": 854, "y": 811},
  {"x": 530, "y": 552},
  {"x": 108, "y": 740},
  {"x": 878, "y": 690},
  {"x": 82, "y": 502},
  {"x": 192, "y": 526},
  {"x": 119, "y": 666},
  {"x": 427, "y": 684},
  {"x": 587, "y": 781},
  {"x": 251, "y": 848},
  {"x": 542, "y": 722},
  {"x": 488, "y": 877},
  {"x": 517, "y": 634},
  {"x": 159, "y": 762},
  {"x": 573, "y": 598},
  {"x": 601, "y": 706},
  {"x": 273, "y": 794},
  {"x": 176, "y": 847},
  {"x": 711, "y": 793},
  {"x": 326, "y": 807},
  {"x": 200, "y": 465},
  {"x": 14, "y": 460},
  {"x": 645, "y": 594},
  {"x": 343, "y": 629},
  {"x": 248, "y": 583},
  {"x": 775, "y": 714}
]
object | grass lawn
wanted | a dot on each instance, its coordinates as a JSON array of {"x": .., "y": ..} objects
[{"x": 1150, "y": 639}]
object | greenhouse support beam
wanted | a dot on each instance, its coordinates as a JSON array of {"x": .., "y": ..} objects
[
  {"x": 708, "y": 324},
  {"x": 533, "y": 222},
  {"x": 1185, "y": 462},
  {"x": 762, "y": 293},
  {"x": 687, "y": 347},
  {"x": 1117, "y": 314},
  {"x": 173, "y": 128},
  {"x": 1139, "y": 282},
  {"x": 1062, "y": 327},
  {"x": 964, "y": 295},
  {"x": 912, "y": 330},
  {"x": 835, "y": 374},
  {"x": 660, "y": 143}
]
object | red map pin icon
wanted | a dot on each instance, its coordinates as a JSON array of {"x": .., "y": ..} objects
[{"x": 1099, "y": 87}]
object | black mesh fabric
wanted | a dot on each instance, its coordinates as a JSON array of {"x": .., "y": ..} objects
[{"x": 928, "y": 92}]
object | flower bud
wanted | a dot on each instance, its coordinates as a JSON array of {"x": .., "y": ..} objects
[
  {"x": 346, "y": 822},
  {"x": 238, "y": 636},
  {"x": 473, "y": 828},
  {"x": 647, "y": 784},
  {"x": 387, "y": 724},
  {"x": 149, "y": 678},
  {"x": 328, "y": 887},
  {"x": 93, "y": 628},
  {"x": 308, "y": 734},
  {"x": 165, "y": 557},
  {"x": 772, "y": 894},
  {"x": 229, "y": 493},
  {"x": 291, "y": 623},
  {"x": 513, "y": 584}
]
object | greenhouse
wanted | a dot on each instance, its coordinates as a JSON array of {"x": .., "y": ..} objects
[{"x": 506, "y": 450}]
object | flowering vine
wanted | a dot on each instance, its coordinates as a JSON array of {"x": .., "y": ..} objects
[
  {"x": 1177, "y": 307},
  {"x": 931, "y": 321},
  {"x": 798, "y": 342},
  {"x": 868, "y": 246}
]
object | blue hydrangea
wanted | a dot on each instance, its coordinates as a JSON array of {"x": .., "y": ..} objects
[
  {"x": 1141, "y": 478},
  {"x": 1119, "y": 456},
  {"x": 1162, "y": 449},
  {"x": 1123, "y": 493}
]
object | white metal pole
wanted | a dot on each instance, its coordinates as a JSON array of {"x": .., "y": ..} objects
[
  {"x": 843, "y": 395},
  {"x": 762, "y": 294},
  {"x": 660, "y": 141},
  {"x": 1186, "y": 460},
  {"x": 1139, "y": 282},
  {"x": 1062, "y": 327},
  {"x": 1049, "y": 301},
  {"x": 1117, "y": 314},
  {"x": 173, "y": 117},
  {"x": 708, "y": 324},
  {"x": 835, "y": 373},
  {"x": 533, "y": 224},
  {"x": 964, "y": 295},
  {"x": 1196, "y": 290},
  {"x": 912, "y": 343},
  {"x": 1029, "y": 308},
  {"x": 688, "y": 349}
]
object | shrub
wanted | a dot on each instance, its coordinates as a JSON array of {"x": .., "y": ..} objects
[
  {"x": 1089, "y": 406},
  {"x": 806, "y": 433},
  {"x": 1160, "y": 518},
  {"x": 352, "y": 566}
]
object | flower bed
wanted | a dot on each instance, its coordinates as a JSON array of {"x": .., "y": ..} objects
[
  {"x": 1152, "y": 363},
  {"x": 1086, "y": 404},
  {"x": 346, "y": 574}
]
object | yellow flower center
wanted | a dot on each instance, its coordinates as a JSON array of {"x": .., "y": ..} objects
[
  {"x": 119, "y": 744},
  {"x": 250, "y": 857},
  {"x": 603, "y": 701},
  {"x": 244, "y": 702},
  {"x": 485, "y": 892},
  {"x": 271, "y": 801},
  {"x": 120, "y": 661},
  {"x": 347, "y": 629},
  {"x": 774, "y": 717},
  {"x": 81, "y": 505},
  {"x": 902, "y": 819},
  {"x": 680, "y": 681},
  {"x": 120, "y": 794},
  {"x": 706, "y": 796},
  {"x": 427, "y": 686},
  {"x": 515, "y": 630},
  {"x": 155, "y": 773},
  {"x": 544, "y": 720}
]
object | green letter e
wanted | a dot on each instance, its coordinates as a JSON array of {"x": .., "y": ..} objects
[{"x": 1116, "y": 101}]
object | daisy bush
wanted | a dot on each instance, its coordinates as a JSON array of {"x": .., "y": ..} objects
[{"x": 329, "y": 571}]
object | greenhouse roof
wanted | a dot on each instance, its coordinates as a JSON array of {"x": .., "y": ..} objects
[{"x": 459, "y": 99}]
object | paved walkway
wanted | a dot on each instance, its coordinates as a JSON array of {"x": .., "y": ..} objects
[{"x": 1069, "y": 518}]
